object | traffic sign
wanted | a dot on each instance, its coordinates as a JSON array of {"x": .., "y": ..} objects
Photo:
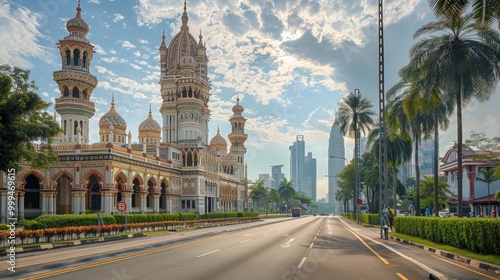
[
  {"x": 359, "y": 201},
  {"x": 121, "y": 206}
]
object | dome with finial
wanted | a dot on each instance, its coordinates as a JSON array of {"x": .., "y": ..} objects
[
  {"x": 182, "y": 50},
  {"x": 238, "y": 109},
  {"x": 112, "y": 121},
  {"x": 218, "y": 143},
  {"x": 77, "y": 23},
  {"x": 149, "y": 125}
]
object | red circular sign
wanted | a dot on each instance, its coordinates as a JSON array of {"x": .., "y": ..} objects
[
  {"x": 121, "y": 206},
  {"x": 359, "y": 201}
]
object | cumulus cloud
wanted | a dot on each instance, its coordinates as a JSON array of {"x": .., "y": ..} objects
[
  {"x": 128, "y": 45},
  {"x": 20, "y": 35}
]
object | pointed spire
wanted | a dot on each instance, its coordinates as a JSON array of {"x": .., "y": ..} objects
[
  {"x": 200, "y": 43},
  {"x": 163, "y": 36},
  {"x": 238, "y": 99},
  {"x": 184, "y": 17},
  {"x": 112, "y": 109},
  {"x": 78, "y": 10},
  {"x": 150, "y": 112},
  {"x": 55, "y": 116}
]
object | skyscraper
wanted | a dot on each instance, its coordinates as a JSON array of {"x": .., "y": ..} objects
[
  {"x": 277, "y": 176},
  {"x": 310, "y": 177},
  {"x": 302, "y": 168},
  {"x": 297, "y": 157},
  {"x": 336, "y": 162}
]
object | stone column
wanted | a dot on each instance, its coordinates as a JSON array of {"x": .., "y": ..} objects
[
  {"x": 127, "y": 197},
  {"x": 45, "y": 203},
  {"x": 75, "y": 203},
  {"x": 50, "y": 199},
  {"x": 143, "y": 205},
  {"x": 3, "y": 209},
  {"x": 82, "y": 202},
  {"x": 20, "y": 205},
  {"x": 156, "y": 203},
  {"x": 168, "y": 204}
]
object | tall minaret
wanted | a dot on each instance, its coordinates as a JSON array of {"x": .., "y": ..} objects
[
  {"x": 185, "y": 88},
  {"x": 237, "y": 138},
  {"x": 75, "y": 81},
  {"x": 336, "y": 162}
]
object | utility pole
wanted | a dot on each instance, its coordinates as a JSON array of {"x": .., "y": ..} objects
[{"x": 384, "y": 201}]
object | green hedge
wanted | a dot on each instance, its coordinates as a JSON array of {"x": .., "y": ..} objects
[
  {"x": 145, "y": 218},
  {"x": 4, "y": 227},
  {"x": 69, "y": 220},
  {"x": 479, "y": 235}
]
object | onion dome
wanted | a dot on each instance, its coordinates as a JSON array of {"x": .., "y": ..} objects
[
  {"x": 77, "y": 23},
  {"x": 149, "y": 127},
  {"x": 238, "y": 109},
  {"x": 112, "y": 121},
  {"x": 218, "y": 143}
]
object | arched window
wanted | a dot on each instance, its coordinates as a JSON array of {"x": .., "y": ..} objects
[
  {"x": 136, "y": 200},
  {"x": 163, "y": 195},
  {"x": 76, "y": 92},
  {"x": 76, "y": 57},
  {"x": 75, "y": 127},
  {"x": 68, "y": 58},
  {"x": 32, "y": 192},
  {"x": 81, "y": 127},
  {"x": 64, "y": 127},
  {"x": 65, "y": 92},
  {"x": 85, "y": 95},
  {"x": 84, "y": 62},
  {"x": 94, "y": 194}
]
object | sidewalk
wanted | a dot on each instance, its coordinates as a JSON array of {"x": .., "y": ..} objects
[{"x": 375, "y": 231}]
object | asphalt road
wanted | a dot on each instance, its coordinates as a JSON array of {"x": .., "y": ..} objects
[{"x": 304, "y": 248}]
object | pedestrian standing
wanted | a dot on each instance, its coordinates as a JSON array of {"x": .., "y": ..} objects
[
  {"x": 427, "y": 211},
  {"x": 390, "y": 216}
]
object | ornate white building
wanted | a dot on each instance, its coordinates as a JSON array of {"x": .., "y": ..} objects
[{"x": 174, "y": 168}]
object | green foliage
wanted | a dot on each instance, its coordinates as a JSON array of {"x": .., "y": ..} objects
[
  {"x": 23, "y": 120},
  {"x": 145, "y": 218},
  {"x": 427, "y": 193},
  {"x": 69, "y": 220},
  {"x": 302, "y": 198},
  {"x": 4, "y": 227},
  {"x": 479, "y": 235}
]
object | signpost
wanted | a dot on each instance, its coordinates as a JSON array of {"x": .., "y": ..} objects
[
  {"x": 359, "y": 201},
  {"x": 122, "y": 207}
]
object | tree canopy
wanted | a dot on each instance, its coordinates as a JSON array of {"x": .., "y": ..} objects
[{"x": 23, "y": 120}]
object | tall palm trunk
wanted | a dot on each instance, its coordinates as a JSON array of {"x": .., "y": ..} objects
[
  {"x": 417, "y": 177},
  {"x": 436, "y": 164},
  {"x": 459, "y": 149}
]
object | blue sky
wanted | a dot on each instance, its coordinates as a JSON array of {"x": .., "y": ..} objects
[{"x": 290, "y": 62}]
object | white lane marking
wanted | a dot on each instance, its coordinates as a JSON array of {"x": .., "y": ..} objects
[
  {"x": 211, "y": 252},
  {"x": 311, "y": 245},
  {"x": 288, "y": 244},
  {"x": 302, "y": 262},
  {"x": 421, "y": 265},
  {"x": 244, "y": 241}
]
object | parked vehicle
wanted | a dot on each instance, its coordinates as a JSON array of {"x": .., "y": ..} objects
[{"x": 295, "y": 212}]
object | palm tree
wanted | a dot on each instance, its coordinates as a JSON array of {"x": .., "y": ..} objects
[
  {"x": 286, "y": 191},
  {"x": 402, "y": 116},
  {"x": 354, "y": 115},
  {"x": 399, "y": 149},
  {"x": 484, "y": 11},
  {"x": 487, "y": 175},
  {"x": 463, "y": 60}
]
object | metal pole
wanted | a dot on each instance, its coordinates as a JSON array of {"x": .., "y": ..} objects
[{"x": 382, "y": 138}]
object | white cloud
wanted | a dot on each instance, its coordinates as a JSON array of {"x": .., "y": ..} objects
[
  {"x": 127, "y": 45},
  {"x": 20, "y": 36},
  {"x": 117, "y": 18}
]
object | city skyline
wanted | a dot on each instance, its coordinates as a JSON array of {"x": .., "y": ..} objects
[{"x": 289, "y": 63}]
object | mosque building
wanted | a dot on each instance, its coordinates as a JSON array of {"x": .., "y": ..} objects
[{"x": 172, "y": 168}]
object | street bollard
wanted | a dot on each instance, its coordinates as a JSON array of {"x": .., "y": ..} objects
[{"x": 386, "y": 232}]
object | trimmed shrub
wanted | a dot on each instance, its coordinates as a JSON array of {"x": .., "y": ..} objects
[
  {"x": 70, "y": 220},
  {"x": 479, "y": 235}
]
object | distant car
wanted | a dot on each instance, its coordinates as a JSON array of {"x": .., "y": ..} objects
[
  {"x": 444, "y": 214},
  {"x": 324, "y": 214}
]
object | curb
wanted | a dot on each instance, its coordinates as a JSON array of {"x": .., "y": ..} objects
[
  {"x": 50, "y": 246},
  {"x": 472, "y": 262}
]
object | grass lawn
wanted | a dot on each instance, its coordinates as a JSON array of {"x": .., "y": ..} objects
[{"x": 493, "y": 259}]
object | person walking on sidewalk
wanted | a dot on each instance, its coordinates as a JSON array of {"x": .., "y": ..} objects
[{"x": 390, "y": 217}]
